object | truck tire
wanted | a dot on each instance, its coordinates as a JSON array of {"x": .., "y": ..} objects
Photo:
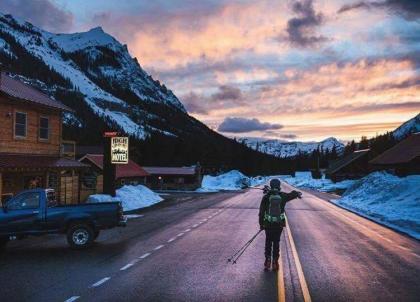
[
  {"x": 80, "y": 236},
  {"x": 3, "y": 243}
]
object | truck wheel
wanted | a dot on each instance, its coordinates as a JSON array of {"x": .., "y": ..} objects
[
  {"x": 95, "y": 235},
  {"x": 80, "y": 236},
  {"x": 3, "y": 243}
]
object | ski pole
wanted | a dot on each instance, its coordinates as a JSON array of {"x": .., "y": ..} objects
[
  {"x": 235, "y": 256},
  {"x": 243, "y": 247}
]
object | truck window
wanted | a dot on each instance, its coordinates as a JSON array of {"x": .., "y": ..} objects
[{"x": 24, "y": 201}]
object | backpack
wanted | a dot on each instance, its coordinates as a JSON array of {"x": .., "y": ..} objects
[{"x": 275, "y": 211}]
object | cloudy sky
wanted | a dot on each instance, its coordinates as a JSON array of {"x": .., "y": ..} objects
[{"x": 294, "y": 70}]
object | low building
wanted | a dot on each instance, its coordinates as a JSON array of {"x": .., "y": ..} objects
[
  {"x": 352, "y": 166},
  {"x": 92, "y": 179},
  {"x": 174, "y": 178},
  {"x": 402, "y": 159},
  {"x": 32, "y": 151}
]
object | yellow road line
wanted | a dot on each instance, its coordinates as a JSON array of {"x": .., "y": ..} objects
[
  {"x": 280, "y": 279},
  {"x": 302, "y": 281}
]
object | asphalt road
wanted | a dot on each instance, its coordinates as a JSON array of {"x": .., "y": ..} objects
[{"x": 178, "y": 252}]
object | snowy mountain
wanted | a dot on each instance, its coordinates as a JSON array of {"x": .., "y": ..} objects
[
  {"x": 285, "y": 149},
  {"x": 94, "y": 74},
  {"x": 95, "y": 64},
  {"x": 411, "y": 126}
]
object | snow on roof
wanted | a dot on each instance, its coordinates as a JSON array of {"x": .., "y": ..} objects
[
  {"x": 129, "y": 170},
  {"x": 16, "y": 89},
  {"x": 403, "y": 152},
  {"x": 171, "y": 170}
]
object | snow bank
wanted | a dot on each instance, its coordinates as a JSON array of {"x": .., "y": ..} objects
[
  {"x": 305, "y": 180},
  {"x": 230, "y": 181},
  {"x": 388, "y": 199},
  {"x": 131, "y": 197}
]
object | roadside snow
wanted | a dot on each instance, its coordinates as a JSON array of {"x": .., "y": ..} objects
[
  {"x": 131, "y": 197},
  {"x": 387, "y": 199},
  {"x": 305, "y": 180},
  {"x": 231, "y": 181}
]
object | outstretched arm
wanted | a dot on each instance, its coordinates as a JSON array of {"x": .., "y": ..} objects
[{"x": 292, "y": 195}]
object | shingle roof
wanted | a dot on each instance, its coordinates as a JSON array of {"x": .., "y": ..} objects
[
  {"x": 129, "y": 170},
  {"x": 8, "y": 161},
  {"x": 16, "y": 89},
  {"x": 341, "y": 163},
  {"x": 403, "y": 152},
  {"x": 171, "y": 170}
]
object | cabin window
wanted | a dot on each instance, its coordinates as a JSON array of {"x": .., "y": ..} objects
[
  {"x": 20, "y": 124},
  {"x": 44, "y": 128}
]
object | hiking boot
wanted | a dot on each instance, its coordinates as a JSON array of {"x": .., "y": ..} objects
[
  {"x": 267, "y": 264},
  {"x": 275, "y": 265}
]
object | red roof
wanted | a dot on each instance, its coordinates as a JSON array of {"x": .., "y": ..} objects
[
  {"x": 8, "y": 161},
  {"x": 17, "y": 89},
  {"x": 129, "y": 170},
  {"x": 404, "y": 152},
  {"x": 171, "y": 170}
]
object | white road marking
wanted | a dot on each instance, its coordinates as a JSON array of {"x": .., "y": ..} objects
[
  {"x": 158, "y": 247},
  {"x": 144, "y": 256},
  {"x": 71, "y": 299},
  {"x": 195, "y": 225},
  {"x": 100, "y": 282},
  {"x": 126, "y": 267},
  {"x": 414, "y": 254},
  {"x": 404, "y": 248},
  {"x": 187, "y": 230},
  {"x": 172, "y": 239},
  {"x": 210, "y": 217},
  {"x": 180, "y": 234}
]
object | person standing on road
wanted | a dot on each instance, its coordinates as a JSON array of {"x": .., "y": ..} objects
[{"x": 272, "y": 220}]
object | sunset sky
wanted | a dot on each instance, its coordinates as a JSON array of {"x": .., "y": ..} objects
[{"x": 293, "y": 70}]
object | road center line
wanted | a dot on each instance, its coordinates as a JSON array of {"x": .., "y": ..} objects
[
  {"x": 302, "y": 280},
  {"x": 71, "y": 299},
  {"x": 100, "y": 282},
  {"x": 195, "y": 225},
  {"x": 126, "y": 267},
  {"x": 280, "y": 279},
  {"x": 180, "y": 234},
  {"x": 158, "y": 247},
  {"x": 144, "y": 256},
  {"x": 404, "y": 248},
  {"x": 187, "y": 230},
  {"x": 172, "y": 239}
]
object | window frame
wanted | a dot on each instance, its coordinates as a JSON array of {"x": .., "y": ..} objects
[
  {"x": 48, "y": 129},
  {"x": 15, "y": 123},
  {"x": 26, "y": 208}
]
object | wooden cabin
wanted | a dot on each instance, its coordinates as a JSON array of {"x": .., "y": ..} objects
[
  {"x": 32, "y": 151},
  {"x": 174, "y": 178},
  {"x": 403, "y": 159},
  {"x": 92, "y": 179},
  {"x": 352, "y": 166}
]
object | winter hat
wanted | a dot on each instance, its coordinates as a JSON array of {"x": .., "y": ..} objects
[{"x": 275, "y": 183}]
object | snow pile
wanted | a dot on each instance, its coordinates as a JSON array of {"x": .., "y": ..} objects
[
  {"x": 388, "y": 199},
  {"x": 131, "y": 197},
  {"x": 230, "y": 181},
  {"x": 305, "y": 180}
]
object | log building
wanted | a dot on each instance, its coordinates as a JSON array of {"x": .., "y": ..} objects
[{"x": 33, "y": 153}]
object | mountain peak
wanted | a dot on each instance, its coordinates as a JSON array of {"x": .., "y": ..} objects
[{"x": 411, "y": 126}]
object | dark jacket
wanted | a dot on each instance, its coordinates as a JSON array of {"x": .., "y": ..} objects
[{"x": 264, "y": 207}]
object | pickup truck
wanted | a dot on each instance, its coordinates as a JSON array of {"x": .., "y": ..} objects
[{"x": 36, "y": 212}]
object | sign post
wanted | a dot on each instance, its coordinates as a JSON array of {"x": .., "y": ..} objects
[{"x": 115, "y": 153}]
